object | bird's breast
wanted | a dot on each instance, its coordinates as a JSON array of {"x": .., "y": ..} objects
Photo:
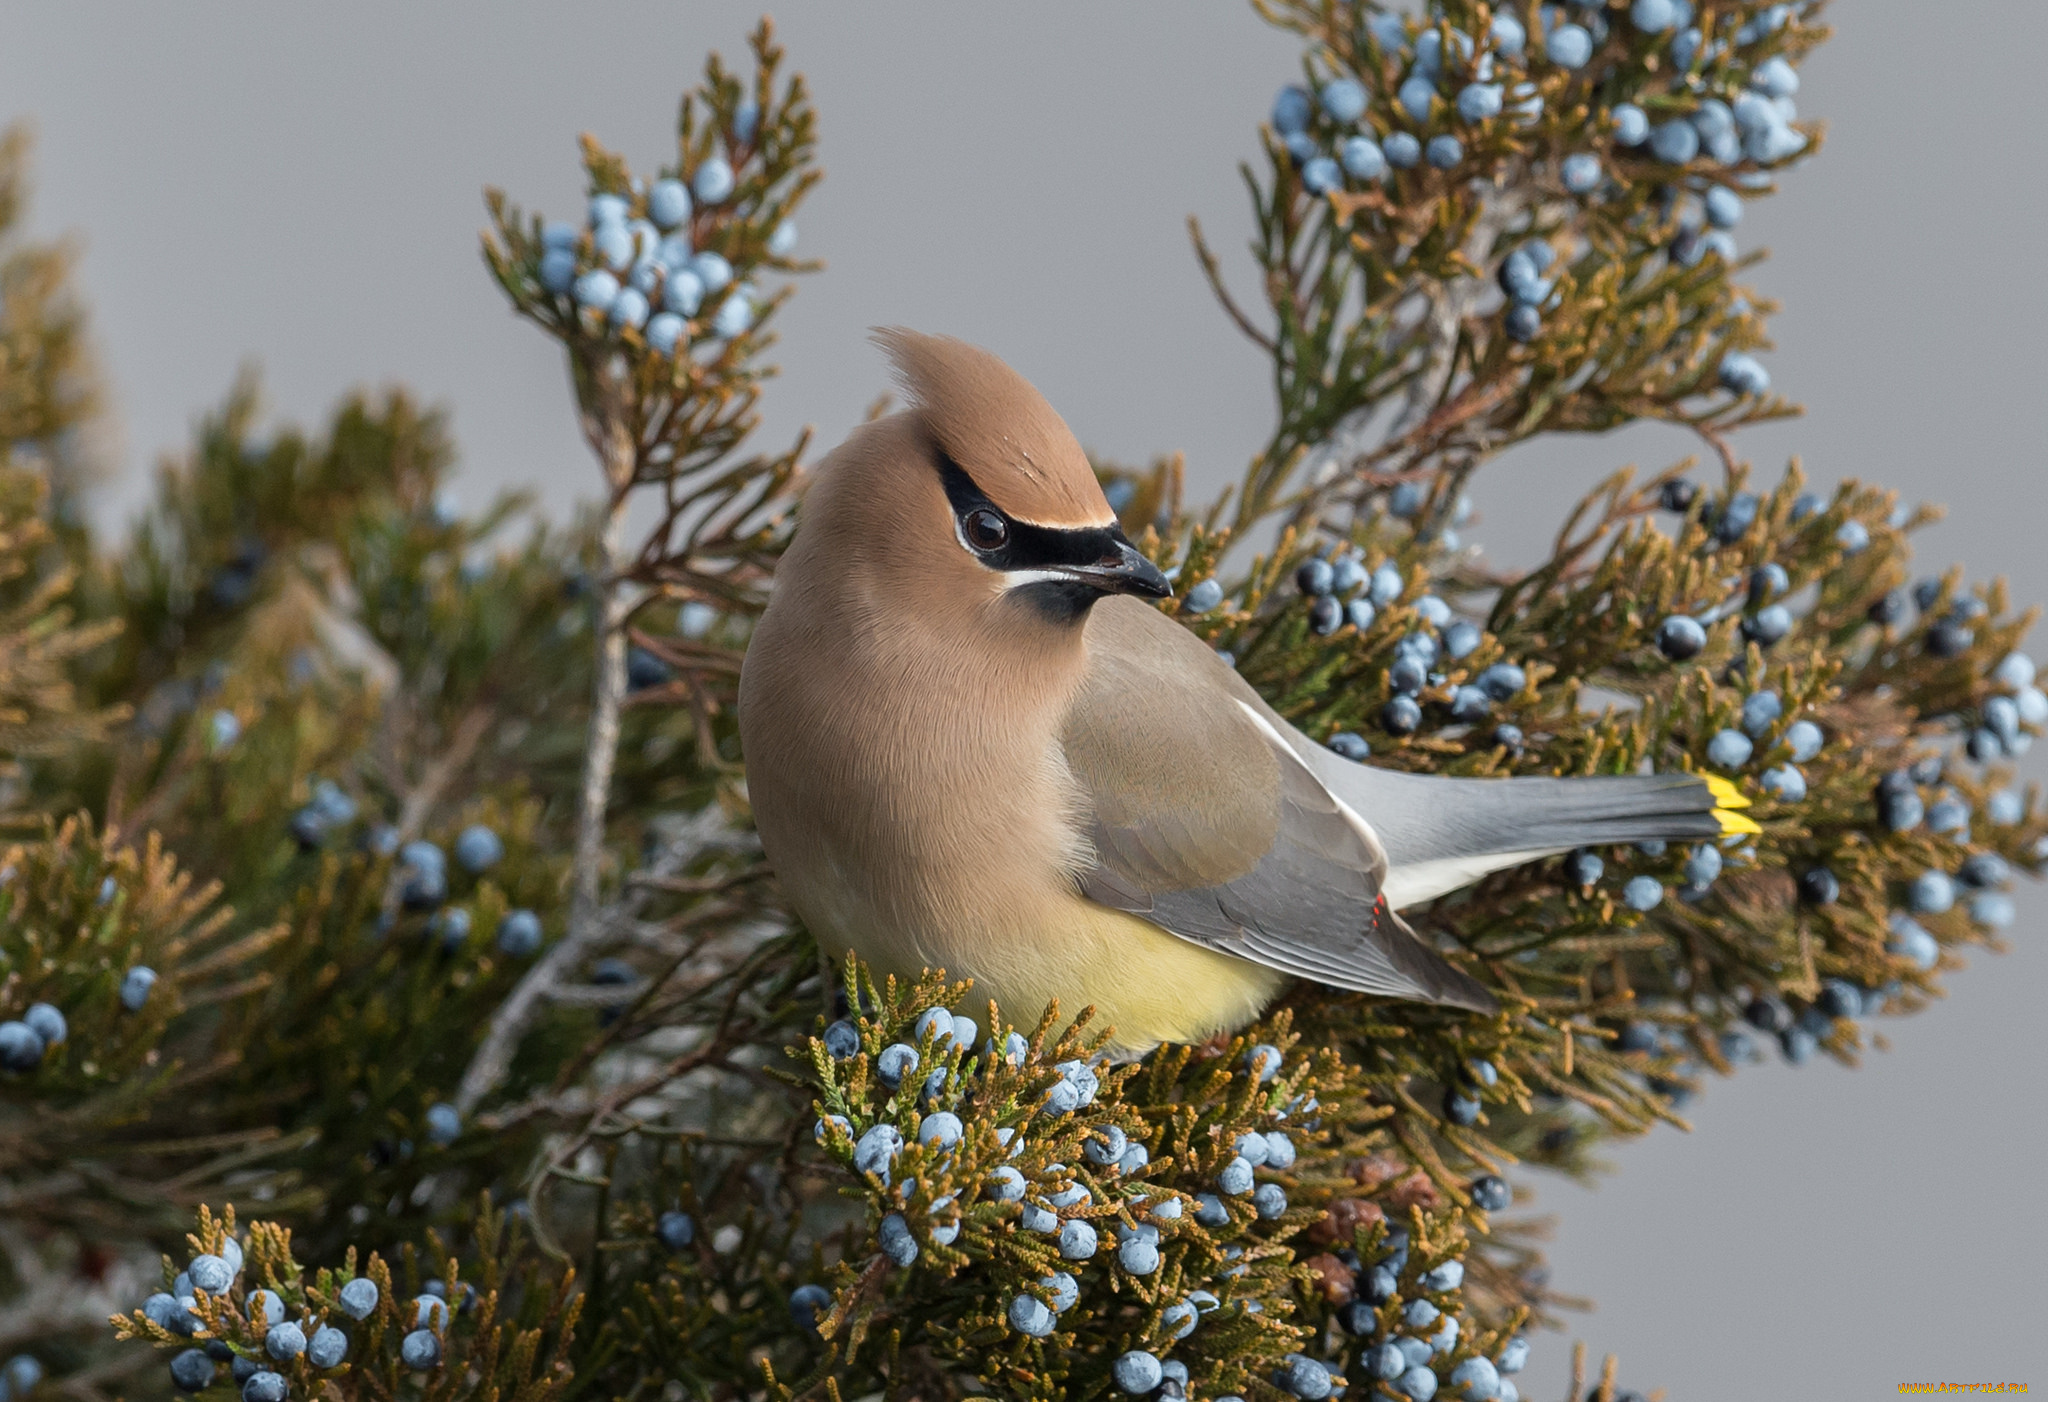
[{"x": 911, "y": 800}]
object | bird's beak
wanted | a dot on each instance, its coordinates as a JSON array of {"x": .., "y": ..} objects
[{"x": 1123, "y": 571}]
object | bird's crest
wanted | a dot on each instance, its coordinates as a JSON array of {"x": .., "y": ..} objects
[{"x": 991, "y": 421}]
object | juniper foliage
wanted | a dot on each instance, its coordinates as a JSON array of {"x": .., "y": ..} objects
[{"x": 384, "y": 867}]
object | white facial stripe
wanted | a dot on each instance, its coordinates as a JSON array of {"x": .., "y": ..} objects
[
  {"x": 1104, "y": 524},
  {"x": 1017, "y": 579}
]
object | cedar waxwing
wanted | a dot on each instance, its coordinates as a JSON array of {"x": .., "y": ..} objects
[{"x": 974, "y": 744}]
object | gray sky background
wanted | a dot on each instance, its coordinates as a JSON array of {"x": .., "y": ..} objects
[{"x": 299, "y": 187}]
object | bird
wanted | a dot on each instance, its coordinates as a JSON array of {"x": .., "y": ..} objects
[{"x": 975, "y": 742}]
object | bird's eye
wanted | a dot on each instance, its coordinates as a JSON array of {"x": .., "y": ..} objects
[{"x": 985, "y": 530}]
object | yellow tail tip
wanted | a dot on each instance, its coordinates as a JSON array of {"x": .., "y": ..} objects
[
  {"x": 1732, "y": 823},
  {"x": 1726, "y": 795}
]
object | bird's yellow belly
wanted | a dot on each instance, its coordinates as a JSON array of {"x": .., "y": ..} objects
[{"x": 1147, "y": 985}]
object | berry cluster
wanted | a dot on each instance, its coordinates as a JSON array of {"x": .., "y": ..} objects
[
  {"x": 992, "y": 1149},
  {"x": 291, "y": 1336},
  {"x": 1409, "y": 93},
  {"x": 420, "y": 873},
  {"x": 669, "y": 265},
  {"x": 25, "y": 1040},
  {"x": 634, "y": 267},
  {"x": 1151, "y": 1212},
  {"x": 1431, "y": 648},
  {"x": 204, "y": 1301},
  {"x": 1371, "y": 142}
]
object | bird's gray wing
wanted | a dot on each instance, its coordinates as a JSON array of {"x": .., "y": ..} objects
[{"x": 1208, "y": 822}]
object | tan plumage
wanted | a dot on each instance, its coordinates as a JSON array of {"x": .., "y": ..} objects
[
  {"x": 987, "y": 759},
  {"x": 991, "y": 421}
]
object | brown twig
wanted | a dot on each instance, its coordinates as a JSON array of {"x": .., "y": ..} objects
[
  {"x": 1213, "y": 271},
  {"x": 1718, "y": 441},
  {"x": 493, "y": 1057}
]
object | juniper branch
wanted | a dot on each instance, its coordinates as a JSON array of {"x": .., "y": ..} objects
[{"x": 708, "y": 830}]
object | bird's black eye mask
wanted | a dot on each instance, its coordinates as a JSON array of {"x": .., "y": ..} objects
[
  {"x": 1004, "y": 543},
  {"x": 1058, "y": 572}
]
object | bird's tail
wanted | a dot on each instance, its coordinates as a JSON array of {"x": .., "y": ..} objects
[
  {"x": 1505, "y": 815},
  {"x": 1441, "y": 834}
]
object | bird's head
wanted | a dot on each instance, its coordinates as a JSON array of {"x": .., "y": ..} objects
[{"x": 980, "y": 495}]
